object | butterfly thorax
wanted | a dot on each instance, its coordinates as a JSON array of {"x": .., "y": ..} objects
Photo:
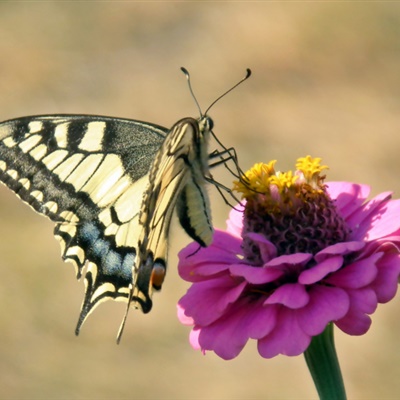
[{"x": 205, "y": 125}]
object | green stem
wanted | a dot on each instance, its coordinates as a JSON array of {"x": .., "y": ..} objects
[{"x": 324, "y": 366}]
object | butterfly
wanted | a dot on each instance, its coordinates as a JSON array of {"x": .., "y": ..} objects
[{"x": 111, "y": 186}]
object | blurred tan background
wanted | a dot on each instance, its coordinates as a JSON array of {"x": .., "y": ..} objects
[{"x": 325, "y": 82}]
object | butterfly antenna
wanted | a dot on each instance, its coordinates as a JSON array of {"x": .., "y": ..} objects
[
  {"x": 186, "y": 72},
  {"x": 247, "y": 76}
]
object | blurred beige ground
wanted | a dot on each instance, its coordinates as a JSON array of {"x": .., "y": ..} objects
[{"x": 325, "y": 82}]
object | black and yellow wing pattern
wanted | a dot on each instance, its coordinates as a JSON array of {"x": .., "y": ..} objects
[{"x": 111, "y": 185}]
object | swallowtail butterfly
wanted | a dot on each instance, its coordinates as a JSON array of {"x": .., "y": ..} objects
[{"x": 111, "y": 186}]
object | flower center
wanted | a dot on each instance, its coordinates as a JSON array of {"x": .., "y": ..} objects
[{"x": 291, "y": 210}]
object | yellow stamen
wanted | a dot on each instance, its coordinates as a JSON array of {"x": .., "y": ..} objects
[
  {"x": 261, "y": 178},
  {"x": 310, "y": 167},
  {"x": 256, "y": 179},
  {"x": 283, "y": 180}
]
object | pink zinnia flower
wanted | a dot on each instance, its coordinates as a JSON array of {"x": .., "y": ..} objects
[{"x": 300, "y": 255}]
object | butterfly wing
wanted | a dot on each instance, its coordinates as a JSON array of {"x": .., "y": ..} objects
[
  {"x": 176, "y": 175},
  {"x": 88, "y": 174}
]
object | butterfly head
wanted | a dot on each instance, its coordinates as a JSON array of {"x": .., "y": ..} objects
[{"x": 206, "y": 124}]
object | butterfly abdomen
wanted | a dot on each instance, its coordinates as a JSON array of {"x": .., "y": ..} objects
[{"x": 194, "y": 213}]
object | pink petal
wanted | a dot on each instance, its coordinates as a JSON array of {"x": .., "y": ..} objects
[
  {"x": 386, "y": 283},
  {"x": 357, "y": 324},
  {"x": 348, "y": 196},
  {"x": 200, "y": 272},
  {"x": 362, "y": 302},
  {"x": 194, "y": 338},
  {"x": 326, "y": 304},
  {"x": 387, "y": 223},
  {"x": 256, "y": 275},
  {"x": 267, "y": 249},
  {"x": 235, "y": 222},
  {"x": 371, "y": 213},
  {"x": 207, "y": 301},
  {"x": 183, "y": 318},
  {"x": 339, "y": 249},
  {"x": 227, "y": 336},
  {"x": 287, "y": 338},
  {"x": 387, "y": 244},
  {"x": 356, "y": 275},
  {"x": 321, "y": 270},
  {"x": 271, "y": 270},
  {"x": 223, "y": 244},
  {"x": 291, "y": 295},
  {"x": 284, "y": 261},
  {"x": 195, "y": 264}
]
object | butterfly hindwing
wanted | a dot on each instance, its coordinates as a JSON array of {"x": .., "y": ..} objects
[{"x": 181, "y": 163}]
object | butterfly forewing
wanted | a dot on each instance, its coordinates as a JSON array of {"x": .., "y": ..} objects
[{"x": 88, "y": 174}]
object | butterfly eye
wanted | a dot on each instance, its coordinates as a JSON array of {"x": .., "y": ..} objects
[{"x": 210, "y": 123}]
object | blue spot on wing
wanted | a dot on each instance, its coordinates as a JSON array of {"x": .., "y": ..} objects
[
  {"x": 89, "y": 232},
  {"x": 128, "y": 261},
  {"x": 112, "y": 261}
]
